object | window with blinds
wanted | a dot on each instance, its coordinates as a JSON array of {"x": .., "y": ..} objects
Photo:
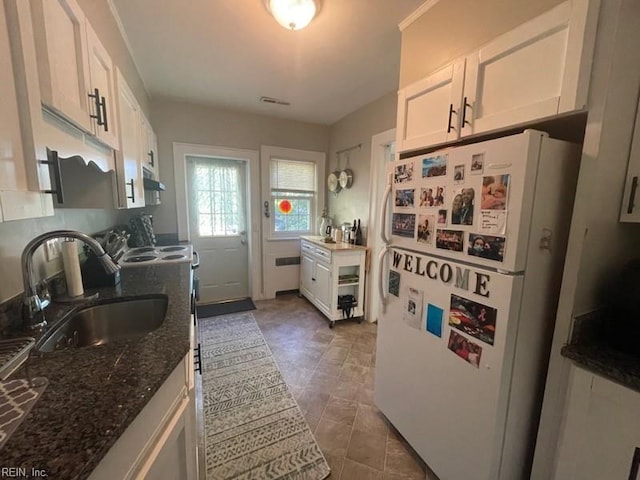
[{"x": 293, "y": 195}]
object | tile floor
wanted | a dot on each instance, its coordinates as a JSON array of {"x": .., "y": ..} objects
[{"x": 331, "y": 374}]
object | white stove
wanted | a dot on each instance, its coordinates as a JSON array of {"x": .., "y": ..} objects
[{"x": 157, "y": 254}]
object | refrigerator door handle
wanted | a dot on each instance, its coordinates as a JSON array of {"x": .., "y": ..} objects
[
  {"x": 383, "y": 212},
  {"x": 383, "y": 296}
]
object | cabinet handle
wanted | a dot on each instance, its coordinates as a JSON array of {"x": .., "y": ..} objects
[
  {"x": 632, "y": 195},
  {"x": 464, "y": 112},
  {"x": 54, "y": 162},
  {"x": 96, "y": 101},
  {"x": 197, "y": 359},
  {"x": 151, "y": 160},
  {"x": 451, "y": 112},
  {"x": 313, "y": 279},
  {"x": 133, "y": 191},
  {"x": 103, "y": 105}
]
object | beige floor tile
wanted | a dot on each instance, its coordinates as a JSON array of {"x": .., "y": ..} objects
[
  {"x": 367, "y": 449},
  {"x": 335, "y": 464},
  {"x": 333, "y": 437},
  {"x": 365, "y": 395},
  {"x": 370, "y": 419},
  {"x": 356, "y": 373},
  {"x": 358, "y": 358},
  {"x": 321, "y": 337},
  {"x": 321, "y": 382},
  {"x": 346, "y": 390},
  {"x": 402, "y": 459},
  {"x": 313, "y": 403},
  {"x": 339, "y": 410},
  {"x": 329, "y": 368},
  {"x": 312, "y": 421},
  {"x": 357, "y": 471}
]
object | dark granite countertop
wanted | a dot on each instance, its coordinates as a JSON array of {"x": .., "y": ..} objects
[
  {"x": 607, "y": 362},
  {"x": 94, "y": 393}
]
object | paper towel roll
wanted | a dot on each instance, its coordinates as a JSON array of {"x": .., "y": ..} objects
[{"x": 71, "y": 264}]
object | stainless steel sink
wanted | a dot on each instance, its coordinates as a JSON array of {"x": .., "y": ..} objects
[{"x": 105, "y": 322}]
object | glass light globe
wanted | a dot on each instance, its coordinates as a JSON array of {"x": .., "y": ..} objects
[{"x": 293, "y": 14}]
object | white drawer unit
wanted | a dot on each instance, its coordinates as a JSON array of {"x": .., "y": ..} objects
[{"x": 332, "y": 278}]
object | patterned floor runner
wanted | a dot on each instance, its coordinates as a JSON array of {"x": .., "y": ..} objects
[{"x": 254, "y": 428}]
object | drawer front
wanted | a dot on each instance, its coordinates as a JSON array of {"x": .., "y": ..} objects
[
  {"x": 307, "y": 247},
  {"x": 323, "y": 255}
]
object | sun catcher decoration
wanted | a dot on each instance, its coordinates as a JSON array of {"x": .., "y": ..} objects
[{"x": 285, "y": 206}]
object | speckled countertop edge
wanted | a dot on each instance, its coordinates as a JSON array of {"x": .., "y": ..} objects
[
  {"x": 94, "y": 393},
  {"x": 604, "y": 361}
]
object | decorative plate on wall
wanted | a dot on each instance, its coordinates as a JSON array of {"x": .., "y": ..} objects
[
  {"x": 333, "y": 182},
  {"x": 346, "y": 178}
]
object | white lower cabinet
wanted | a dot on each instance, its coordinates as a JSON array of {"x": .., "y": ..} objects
[
  {"x": 600, "y": 438},
  {"x": 328, "y": 271},
  {"x": 161, "y": 442}
]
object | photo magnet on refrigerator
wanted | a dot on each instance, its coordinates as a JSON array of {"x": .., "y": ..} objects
[
  {"x": 413, "y": 308},
  {"x": 473, "y": 318},
  {"x": 465, "y": 349},
  {"x": 434, "y": 320},
  {"x": 435, "y": 166},
  {"x": 403, "y": 225},
  {"x": 394, "y": 283}
]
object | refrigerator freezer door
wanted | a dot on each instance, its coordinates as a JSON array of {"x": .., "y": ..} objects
[
  {"x": 475, "y": 203},
  {"x": 444, "y": 362}
]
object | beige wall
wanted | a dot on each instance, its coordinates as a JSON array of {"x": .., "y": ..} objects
[
  {"x": 175, "y": 121},
  {"x": 358, "y": 128},
  {"x": 452, "y": 28}
]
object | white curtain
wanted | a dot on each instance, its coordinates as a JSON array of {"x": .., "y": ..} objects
[{"x": 217, "y": 196}]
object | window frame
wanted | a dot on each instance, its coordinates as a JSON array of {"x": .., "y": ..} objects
[{"x": 317, "y": 200}]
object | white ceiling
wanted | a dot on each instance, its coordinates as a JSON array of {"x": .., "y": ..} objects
[{"x": 231, "y": 52}]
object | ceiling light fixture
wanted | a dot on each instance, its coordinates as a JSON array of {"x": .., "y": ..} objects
[{"x": 293, "y": 14}]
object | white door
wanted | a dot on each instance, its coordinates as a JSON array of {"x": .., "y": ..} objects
[{"x": 217, "y": 222}]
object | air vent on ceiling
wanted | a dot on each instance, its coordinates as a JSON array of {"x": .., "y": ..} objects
[{"x": 275, "y": 101}]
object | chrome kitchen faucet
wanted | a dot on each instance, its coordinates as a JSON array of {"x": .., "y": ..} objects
[{"x": 33, "y": 304}]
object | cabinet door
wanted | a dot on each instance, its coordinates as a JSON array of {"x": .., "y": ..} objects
[
  {"x": 537, "y": 70},
  {"x": 601, "y": 433},
  {"x": 22, "y": 178},
  {"x": 306, "y": 274},
  {"x": 59, "y": 29},
  {"x": 102, "y": 104},
  {"x": 322, "y": 284},
  {"x": 128, "y": 166},
  {"x": 630, "y": 211},
  {"x": 150, "y": 141},
  {"x": 428, "y": 110}
]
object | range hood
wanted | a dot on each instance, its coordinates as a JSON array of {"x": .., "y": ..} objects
[{"x": 153, "y": 185}]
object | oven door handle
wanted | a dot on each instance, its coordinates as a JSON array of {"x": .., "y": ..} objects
[{"x": 195, "y": 263}]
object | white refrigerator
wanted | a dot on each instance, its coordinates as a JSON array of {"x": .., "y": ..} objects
[{"x": 476, "y": 237}]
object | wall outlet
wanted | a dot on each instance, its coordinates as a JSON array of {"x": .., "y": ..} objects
[{"x": 52, "y": 249}]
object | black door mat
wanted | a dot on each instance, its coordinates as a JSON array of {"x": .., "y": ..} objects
[{"x": 215, "y": 309}]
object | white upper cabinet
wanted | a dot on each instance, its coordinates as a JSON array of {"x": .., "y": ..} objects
[
  {"x": 630, "y": 211},
  {"x": 24, "y": 174},
  {"x": 539, "y": 69},
  {"x": 75, "y": 70},
  {"x": 418, "y": 124},
  {"x": 150, "y": 148},
  {"x": 63, "y": 67},
  {"x": 102, "y": 95},
  {"x": 128, "y": 157}
]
